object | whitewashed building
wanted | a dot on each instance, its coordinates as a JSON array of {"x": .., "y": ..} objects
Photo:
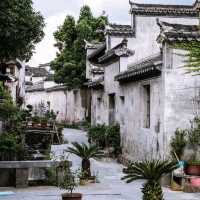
[
  {"x": 71, "y": 105},
  {"x": 143, "y": 86},
  {"x": 13, "y": 76}
]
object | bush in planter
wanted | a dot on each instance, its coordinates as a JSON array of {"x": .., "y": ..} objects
[
  {"x": 69, "y": 183},
  {"x": 193, "y": 168},
  {"x": 151, "y": 171},
  {"x": 44, "y": 121},
  {"x": 10, "y": 147},
  {"x": 113, "y": 139},
  {"x": 178, "y": 143},
  {"x": 97, "y": 135},
  {"x": 35, "y": 120},
  {"x": 194, "y": 136},
  {"x": 106, "y": 137},
  {"x": 85, "y": 152}
]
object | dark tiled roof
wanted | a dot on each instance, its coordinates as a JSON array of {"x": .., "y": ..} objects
[
  {"x": 40, "y": 87},
  {"x": 57, "y": 88},
  {"x": 28, "y": 83},
  {"x": 93, "y": 44},
  {"x": 93, "y": 57},
  {"x": 97, "y": 84},
  {"x": 147, "y": 68},
  {"x": 120, "y": 50},
  {"x": 120, "y": 30},
  {"x": 178, "y": 32},
  {"x": 36, "y": 87},
  {"x": 163, "y": 10},
  {"x": 36, "y": 71},
  {"x": 44, "y": 65},
  {"x": 50, "y": 77},
  {"x": 4, "y": 77},
  {"x": 97, "y": 70},
  {"x": 15, "y": 62}
]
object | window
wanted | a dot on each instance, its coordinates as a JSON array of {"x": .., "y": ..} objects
[
  {"x": 147, "y": 106},
  {"x": 111, "y": 109},
  {"x": 99, "y": 100},
  {"x": 122, "y": 98},
  {"x": 75, "y": 97},
  {"x": 122, "y": 102}
]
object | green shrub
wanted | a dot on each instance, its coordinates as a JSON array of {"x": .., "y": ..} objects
[
  {"x": 8, "y": 143},
  {"x": 152, "y": 171},
  {"x": 114, "y": 138},
  {"x": 106, "y": 137},
  {"x": 51, "y": 176},
  {"x": 97, "y": 135},
  {"x": 178, "y": 143}
]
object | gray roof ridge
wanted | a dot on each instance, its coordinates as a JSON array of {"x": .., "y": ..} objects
[
  {"x": 164, "y": 9},
  {"x": 144, "y": 60}
]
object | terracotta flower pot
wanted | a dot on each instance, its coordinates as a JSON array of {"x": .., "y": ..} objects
[
  {"x": 193, "y": 170},
  {"x": 83, "y": 181},
  {"x": 195, "y": 182},
  {"x": 44, "y": 125},
  {"x": 92, "y": 179},
  {"x": 73, "y": 196}
]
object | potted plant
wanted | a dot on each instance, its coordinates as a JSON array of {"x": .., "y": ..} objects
[
  {"x": 82, "y": 178},
  {"x": 193, "y": 168},
  {"x": 151, "y": 171},
  {"x": 35, "y": 121},
  {"x": 69, "y": 183},
  {"x": 44, "y": 121},
  {"x": 86, "y": 152}
]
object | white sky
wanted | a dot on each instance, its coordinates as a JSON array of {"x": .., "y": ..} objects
[{"x": 55, "y": 11}]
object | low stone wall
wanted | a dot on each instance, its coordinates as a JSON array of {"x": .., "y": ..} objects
[{"x": 15, "y": 173}]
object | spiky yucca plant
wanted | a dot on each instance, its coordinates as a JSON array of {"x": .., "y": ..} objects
[
  {"x": 151, "y": 171},
  {"x": 85, "y": 152}
]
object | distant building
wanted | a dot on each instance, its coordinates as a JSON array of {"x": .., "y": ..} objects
[
  {"x": 12, "y": 73},
  {"x": 71, "y": 105}
]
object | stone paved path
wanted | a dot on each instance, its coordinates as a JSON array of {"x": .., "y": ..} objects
[{"x": 109, "y": 188}]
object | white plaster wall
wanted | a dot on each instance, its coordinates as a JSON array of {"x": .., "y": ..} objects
[
  {"x": 20, "y": 76},
  {"x": 147, "y": 31},
  {"x": 114, "y": 41},
  {"x": 34, "y": 98},
  {"x": 22, "y": 80},
  {"x": 49, "y": 84},
  {"x": 12, "y": 88},
  {"x": 88, "y": 64},
  {"x": 111, "y": 86},
  {"x": 123, "y": 64},
  {"x": 99, "y": 110},
  {"x": 139, "y": 142},
  {"x": 61, "y": 101},
  {"x": 180, "y": 91},
  {"x": 37, "y": 79}
]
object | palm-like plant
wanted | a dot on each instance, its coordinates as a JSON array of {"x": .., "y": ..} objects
[
  {"x": 85, "y": 152},
  {"x": 151, "y": 171}
]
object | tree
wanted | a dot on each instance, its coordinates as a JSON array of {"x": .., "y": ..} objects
[
  {"x": 66, "y": 34},
  {"x": 21, "y": 27},
  {"x": 192, "y": 48},
  {"x": 70, "y": 63},
  {"x": 85, "y": 152},
  {"x": 151, "y": 171}
]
